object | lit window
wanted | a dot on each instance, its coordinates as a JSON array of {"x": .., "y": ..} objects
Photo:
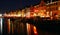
[
  {"x": 35, "y": 14},
  {"x": 44, "y": 10},
  {"x": 58, "y": 8}
]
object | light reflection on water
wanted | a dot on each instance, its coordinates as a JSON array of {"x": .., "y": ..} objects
[
  {"x": 16, "y": 27},
  {"x": 1, "y": 26},
  {"x": 29, "y": 29}
]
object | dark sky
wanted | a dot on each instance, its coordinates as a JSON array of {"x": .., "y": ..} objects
[{"x": 16, "y": 4}]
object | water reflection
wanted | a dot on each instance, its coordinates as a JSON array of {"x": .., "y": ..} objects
[
  {"x": 9, "y": 26},
  {"x": 1, "y": 26},
  {"x": 28, "y": 29},
  {"x": 35, "y": 30},
  {"x": 16, "y": 27}
]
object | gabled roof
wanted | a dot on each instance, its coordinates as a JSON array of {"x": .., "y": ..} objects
[{"x": 42, "y": 3}]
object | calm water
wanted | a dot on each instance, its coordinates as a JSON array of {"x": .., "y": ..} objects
[{"x": 16, "y": 27}]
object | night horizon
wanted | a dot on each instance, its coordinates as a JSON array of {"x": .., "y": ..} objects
[{"x": 8, "y": 5}]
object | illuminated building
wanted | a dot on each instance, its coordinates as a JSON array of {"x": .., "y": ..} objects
[
  {"x": 27, "y": 15},
  {"x": 23, "y": 13},
  {"x": 27, "y": 12},
  {"x": 13, "y": 24},
  {"x": 19, "y": 13},
  {"x": 53, "y": 8},
  {"x": 31, "y": 9},
  {"x": 50, "y": 9}
]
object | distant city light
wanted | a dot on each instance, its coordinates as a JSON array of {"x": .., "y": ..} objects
[
  {"x": 35, "y": 14},
  {"x": 35, "y": 10},
  {"x": 0, "y": 14},
  {"x": 28, "y": 14},
  {"x": 41, "y": 10}
]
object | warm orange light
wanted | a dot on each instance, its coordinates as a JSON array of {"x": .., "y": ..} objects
[
  {"x": 35, "y": 30},
  {"x": 5, "y": 14},
  {"x": 51, "y": 18},
  {"x": 42, "y": 14},
  {"x": 44, "y": 10},
  {"x": 8, "y": 25},
  {"x": 34, "y": 14},
  {"x": 31, "y": 14},
  {"x": 28, "y": 29},
  {"x": 19, "y": 15},
  {"x": 12, "y": 29},
  {"x": 28, "y": 15},
  {"x": 58, "y": 8},
  {"x": 35, "y": 10},
  {"x": 56, "y": 16},
  {"x": 47, "y": 14},
  {"x": 13, "y": 14}
]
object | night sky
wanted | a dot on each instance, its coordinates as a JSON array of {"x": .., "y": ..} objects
[{"x": 8, "y": 5}]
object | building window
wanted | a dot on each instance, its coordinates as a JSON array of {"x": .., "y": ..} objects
[{"x": 58, "y": 8}]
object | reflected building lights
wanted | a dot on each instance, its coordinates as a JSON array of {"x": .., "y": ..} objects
[
  {"x": 1, "y": 25},
  {"x": 28, "y": 29},
  {"x": 35, "y": 30},
  {"x": 12, "y": 29},
  {"x": 9, "y": 26}
]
